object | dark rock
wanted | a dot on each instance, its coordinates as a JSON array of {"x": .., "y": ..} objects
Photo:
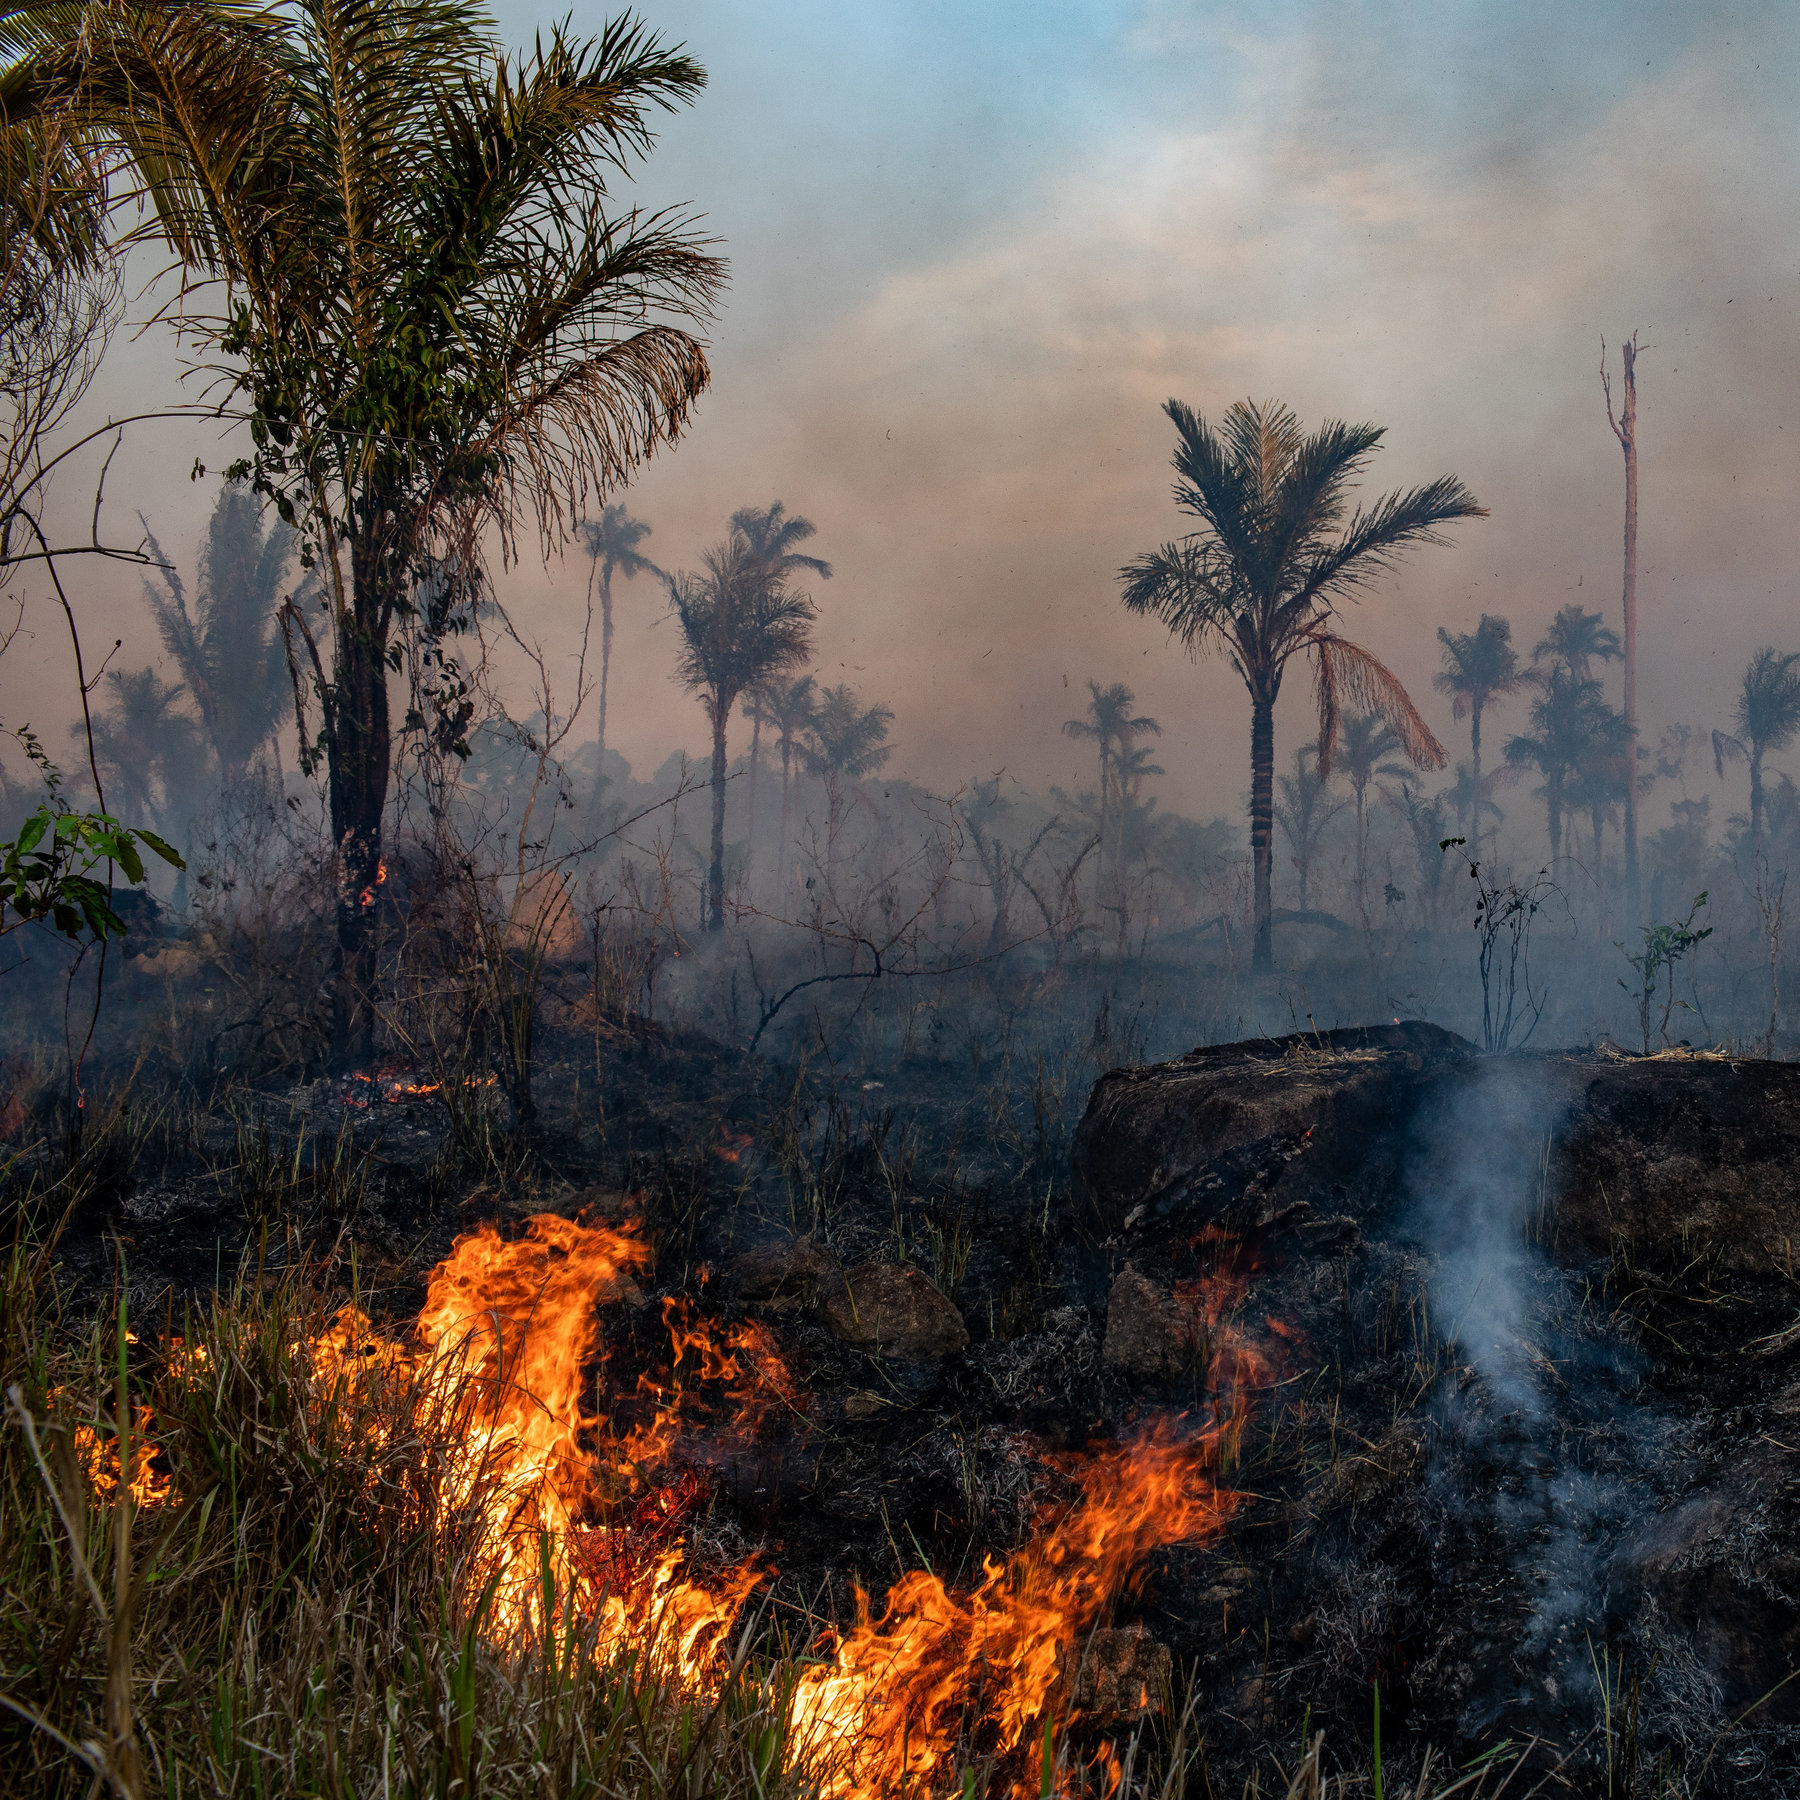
[
  {"x": 1213, "y": 1133},
  {"x": 1681, "y": 1148},
  {"x": 784, "y": 1274},
  {"x": 893, "y": 1310},
  {"x": 1148, "y": 1333}
]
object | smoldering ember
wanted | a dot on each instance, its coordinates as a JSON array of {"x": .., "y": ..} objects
[{"x": 803, "y": 996}]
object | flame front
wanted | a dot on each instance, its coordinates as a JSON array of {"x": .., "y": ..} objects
[
  {"x": 585, "y": 1494},
  {"x": 939, "y": 1668}
]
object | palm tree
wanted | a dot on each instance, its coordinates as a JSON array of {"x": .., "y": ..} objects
[
  {"x": 739, "y": 626},
  {"x": 1577, "y": 639},
  {"x": 1566, "y": 720},
  {"x": 771, "y": 532},
  {"x": 611, "y": 542},
  {"x": 226, "y": 644},
  {"x": 1367, "y": 741},
  {"x": 1768, "y": 717},
  {"x": 787, "y": 707},
  {"x": 1303, "y": 812},
  {"x": 1480, "y": 667},
  {"x": 845, "y": 742},
  {"x": 1424, "y": 819},
  {"x": 1471, "y": 802},
  {"x": 1263, "y": 577},
  {"x": 440, "y": 321},
  {"x": 1112, "y": 728},
  {"x": 147, "y": 745}
]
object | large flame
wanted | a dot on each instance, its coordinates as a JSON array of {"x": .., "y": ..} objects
[
  {"x": 941, "y": 1671},
  {"x": 586, "y": 1491}
]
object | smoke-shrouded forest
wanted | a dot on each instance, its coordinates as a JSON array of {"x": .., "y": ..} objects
[{"x": 896, "y": 906}]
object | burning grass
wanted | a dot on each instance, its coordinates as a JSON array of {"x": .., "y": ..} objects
[{"x": 457, "y": 1559}]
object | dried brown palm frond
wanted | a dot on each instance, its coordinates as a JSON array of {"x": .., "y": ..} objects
[{"x": 1346, "y": 671}]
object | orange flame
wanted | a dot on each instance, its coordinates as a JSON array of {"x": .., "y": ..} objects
[
  {"x": 900, "y": 1690},
  {"x": 507, "y": 1343}
]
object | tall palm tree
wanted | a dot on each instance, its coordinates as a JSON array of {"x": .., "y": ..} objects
[
  {"x": 787, "y": 707},
  {"x": 1471, "y": 802},
  {"x": 438, "y": 317},
  {"x": 147, "y": 745},
  {"x": 1480, "y": 667},
  {"x": 1768, "y": 718},
  {"x": 1566, "y": 719},
  {"x": 845, "y": 741},
  {"x": 1304, "y": 811},
  {"x": 1577, "y": 639},
  {"x": 1263, "y": 577},
  {"x": 1111, "y": 726},
  {"x": 1365, "y": 748},
  {"x": 226, "y": 643},
  {"x": 739, "y": 627},
  {"x": 611, "y": 542},
  {"x": 770, "y": 533}
]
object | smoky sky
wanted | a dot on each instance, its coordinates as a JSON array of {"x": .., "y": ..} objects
[{"x": 974, "y": 248}]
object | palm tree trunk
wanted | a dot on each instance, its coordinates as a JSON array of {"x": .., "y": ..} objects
[
  {"x": 750, "y": 826},
  {"x": 781, "y": 849},
  {"x": 1262, "y": 827},
  {"x": 1362, "y": 860},
  {"x": 606, "y": 638},
  {"x": 1756, "y": 802},
  {"x": 1475, "y": 764},
  {"x": 1100, "y": 860},
  {"x": 358, "y": 754},
  {"x": 715, "y": 875},
  {"x": 1553, "y": 811}
]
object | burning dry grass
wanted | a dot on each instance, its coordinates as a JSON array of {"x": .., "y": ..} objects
[
  {"x": 350, "y": 1562},
  {"x": 462, "y": 1560}
]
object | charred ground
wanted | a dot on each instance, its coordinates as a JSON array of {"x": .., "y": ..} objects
[{"x": 1500, "y": 1350}]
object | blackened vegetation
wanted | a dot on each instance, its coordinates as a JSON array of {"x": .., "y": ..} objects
[{"x": 1502, "y": 1352}]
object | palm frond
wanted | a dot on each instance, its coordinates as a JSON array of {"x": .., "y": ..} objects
[
  {"x": 1346, "y": 670},
  {"x": 1188, "y": 585},
  {"x": 1374, "y": 537}
]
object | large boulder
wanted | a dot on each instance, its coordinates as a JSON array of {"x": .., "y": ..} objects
[{"x": 1212, "y": 1134}]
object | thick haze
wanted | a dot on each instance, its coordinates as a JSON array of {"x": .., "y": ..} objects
[{"x": 974, "y": 248}]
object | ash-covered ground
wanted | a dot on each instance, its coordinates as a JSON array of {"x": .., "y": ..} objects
[{"x": 1501, "y": 1355}]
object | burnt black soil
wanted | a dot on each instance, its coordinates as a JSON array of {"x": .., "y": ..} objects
[{"x": 1502, "y": 1511}]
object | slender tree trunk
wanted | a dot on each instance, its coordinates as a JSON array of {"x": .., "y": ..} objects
[
  {"x": 750, "y": 827},
  {"x": 1553, "y": 810},
  {"x": 359, "y": 751},
  {"x": 1475, "y": 761},
  {"x": 1756, "y": 802},
  {"x": 1362, "y": 860},
  {"x": 781, "y": 849},
  {"x": 606, "y": 638},
  {"x": 715, "y": 874},
  {"x": 1262, "y": 826},
  {"x": 1625, "y": 430},
  {"x": 1100, "y": 860}
]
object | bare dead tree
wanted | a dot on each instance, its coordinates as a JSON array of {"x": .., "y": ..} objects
[{"x": 1624, "y": 428}]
